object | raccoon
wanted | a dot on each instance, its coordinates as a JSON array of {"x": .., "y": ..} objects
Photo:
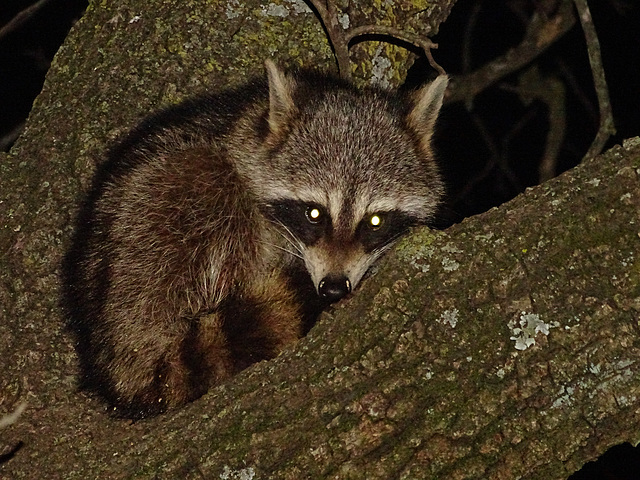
[{"x": 218, "y": 228}]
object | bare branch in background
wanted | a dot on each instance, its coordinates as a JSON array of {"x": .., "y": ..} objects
[
  {"x": 329, "y": 18},
  {"x": 607, "y": 126},
  {"x": 23, "y": 16},
  {"x": 340, "y": 38},
  {"x": 542, "y": 32},
  {"x": 550, "y": 90},
  {"x": 468, "y": 36},
  {"x": 423, "y": 43}
]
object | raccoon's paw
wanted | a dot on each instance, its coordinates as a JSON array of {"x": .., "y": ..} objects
[
  {"x": 182, "y": 374},
  {"x": 173, "y": 387}
]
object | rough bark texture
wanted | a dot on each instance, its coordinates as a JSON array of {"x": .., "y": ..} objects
[{"x": 422, "y": 374}]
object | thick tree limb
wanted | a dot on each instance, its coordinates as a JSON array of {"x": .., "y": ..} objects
[
  {"x": 504, "y": 348},
  {"x": 416, "y": 376}
]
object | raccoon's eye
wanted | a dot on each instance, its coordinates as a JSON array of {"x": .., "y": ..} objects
[
  {"x": 375, "y": 221},
  {"x": 306, "y": 222},
  {"x": 379, "y": 229},
  {"x": 313, "y": 214}
]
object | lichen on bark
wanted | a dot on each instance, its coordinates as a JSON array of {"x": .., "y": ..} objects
[{"x": 415, "y": 376}]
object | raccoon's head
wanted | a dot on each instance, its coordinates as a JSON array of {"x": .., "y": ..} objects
[{"x": 348, "y": 172}]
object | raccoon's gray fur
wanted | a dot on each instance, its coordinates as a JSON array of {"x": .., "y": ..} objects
[{"x": 186, "y": 266}]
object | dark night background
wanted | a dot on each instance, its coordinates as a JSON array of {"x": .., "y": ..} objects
[{"x": 489, "y": 152}]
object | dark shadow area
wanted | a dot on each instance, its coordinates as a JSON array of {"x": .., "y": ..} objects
[
  {"x": 621, "y": 462},
  {"x": 31, "y": 35},
  {"x": 491, "y": 149}
]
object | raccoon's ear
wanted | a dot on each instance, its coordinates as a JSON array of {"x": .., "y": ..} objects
[
  {"x": 427, "y": 102},
  {"x": 281, "y": 105}
]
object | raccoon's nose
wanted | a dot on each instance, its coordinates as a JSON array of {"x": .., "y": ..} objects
[{"x": 334, "y": 287}]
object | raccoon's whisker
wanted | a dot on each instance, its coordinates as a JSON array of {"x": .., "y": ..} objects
[
  {"x": 292, "y": 252},
  {"x": 279, "y": 247},
  {"x": 288, "y": 235},
  {"x": 293, "y": 242},
  {"x": 382, "y": 249}
]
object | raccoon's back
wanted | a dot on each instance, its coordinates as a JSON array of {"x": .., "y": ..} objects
[
  {"x": 134, "y": 167},
  {"x": 169, "y": 221},
  {"x": 199, "y": 121}
]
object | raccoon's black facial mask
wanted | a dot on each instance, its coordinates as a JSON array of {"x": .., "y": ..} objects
[
  {"x": 307, "y": 221},
  {"x": 381, "y": 228}
]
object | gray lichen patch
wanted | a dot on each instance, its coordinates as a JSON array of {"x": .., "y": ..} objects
[
  {"x": 525, "y": 329},
  {"x": 449, "y": 317}
]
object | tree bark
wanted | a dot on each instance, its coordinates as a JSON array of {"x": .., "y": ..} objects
[{"x": 506, "y": 347}]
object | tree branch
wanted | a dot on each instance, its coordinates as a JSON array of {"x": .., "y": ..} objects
[
  {"x": 341, "y": 38},
  {"x": 607, "y": 125},
  {"x": 23, "y": 16},
  {"x": 418, "y": 374},
  {"x": 424, "y": 43},
  {"x": 329, "y": 18},
  {"x": 541, "y": 33}
]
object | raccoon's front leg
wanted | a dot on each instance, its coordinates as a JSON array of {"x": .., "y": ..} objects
[
  {"x": 260, "y": 320},
  {"x": 251, "y": 324}
]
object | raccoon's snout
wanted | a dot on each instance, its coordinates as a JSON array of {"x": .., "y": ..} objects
[{"x": 334, "y": 287}]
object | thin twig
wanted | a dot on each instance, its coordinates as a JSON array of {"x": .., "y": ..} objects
[
  {"x": 607, "y": 126},
  {"x": 541, "y": 34},
  {"x": 423, "y": 43},
  {"x": 341, "y": 38},
  {"x": 335, "y": 32},
  {"x": 22, "y": 17},
  {"x": 9, "y": 138}
]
